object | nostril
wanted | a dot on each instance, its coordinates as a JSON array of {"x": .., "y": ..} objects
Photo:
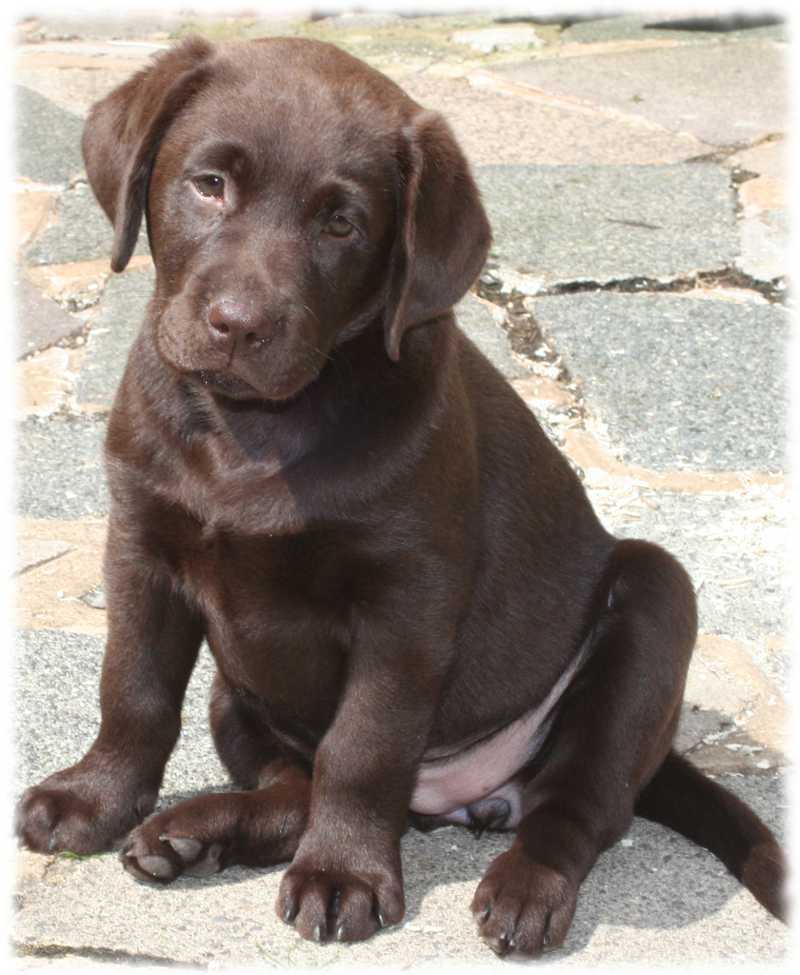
[
  {"x": 218, "y": 316},
  {"x": 235, "y": 322}
]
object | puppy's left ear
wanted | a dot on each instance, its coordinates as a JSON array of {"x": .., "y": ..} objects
[{"x": 443, "y": 235}]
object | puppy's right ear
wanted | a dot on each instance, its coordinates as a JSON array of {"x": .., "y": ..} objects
[{"x": 123, "y": 132}]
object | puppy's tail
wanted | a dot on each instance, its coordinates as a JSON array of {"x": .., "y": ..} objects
[{"x": 681, "y": 797}]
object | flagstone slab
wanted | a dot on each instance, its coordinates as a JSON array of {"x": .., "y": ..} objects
[
  {"x": 734, "y": 548},
  {"x": 500, "y": 127},
  {"x": 765, "y": 239},
  {"x": 72, "y": 88},
  {"x": 654, "y": 895},
  {"x": 713, "y": 91},
  {"x": 59, "y": 467},
  {"x": 566, "y": 224},
  {"x": 44, "y": 382},
  {"x": 122, "y": 311},
  {"x": 655, "y": 25},
  {"x": 40, "y": 321},
  {"x": 680, "y": 383},
  {"x": 79, "y": 231},
  {"x": 478, "y": 320},
  {"x": 35, "y": 552},
  {"x": 48, "y": 139},
  {"x": 58, "y": 715},
  {"x": 129, "y": 25},
  {"x": 767, "y": 159}
]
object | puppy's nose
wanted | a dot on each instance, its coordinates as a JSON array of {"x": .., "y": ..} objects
[{"x": 230, "y": 321}]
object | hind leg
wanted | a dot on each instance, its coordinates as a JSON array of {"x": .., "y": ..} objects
[
  {"x": 242, "y": 738},
  {"x": 259, "y": 826},
  {"x": 614, "y": 728}
]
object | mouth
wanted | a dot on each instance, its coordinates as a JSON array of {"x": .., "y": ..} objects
[
  {"x": 228, "y": 385},
  {"x": 236, "y": 373},
  {"x": 234, "y": 387}
]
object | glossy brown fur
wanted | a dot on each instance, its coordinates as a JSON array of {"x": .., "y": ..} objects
[{"x": 336, "y": 489}]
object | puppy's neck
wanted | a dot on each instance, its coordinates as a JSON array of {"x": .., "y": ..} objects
[{"x": 359, "y": 396}]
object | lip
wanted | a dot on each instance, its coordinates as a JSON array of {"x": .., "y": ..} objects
[
  {"x": 228, "y": 385},
  {"x": 234, "y": 387}
]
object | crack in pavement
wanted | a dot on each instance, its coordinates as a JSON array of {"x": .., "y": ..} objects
[
  {"x": 100, "y": 955},
  {"x": 774, "y": 291},
  {"x": 41, "y": 562}
]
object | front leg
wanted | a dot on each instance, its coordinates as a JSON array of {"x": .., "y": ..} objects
[
  {"x": 153, "y": 640},
  {"x": 346, "y": 879}
]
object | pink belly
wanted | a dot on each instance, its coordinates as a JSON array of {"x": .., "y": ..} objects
[{"x": 445, "y": 786}]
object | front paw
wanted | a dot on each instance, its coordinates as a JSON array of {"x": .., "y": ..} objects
[
  {"x": 77, "y": 812},
  {"x": 336, "y": 900},
  {"x": 523, "y": 906},
  {"x": 197, "y": 837},
  {"x": 160, "y": 857}
]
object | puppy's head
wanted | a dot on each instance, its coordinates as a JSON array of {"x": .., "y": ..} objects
[{"x": 294, "y": 198}]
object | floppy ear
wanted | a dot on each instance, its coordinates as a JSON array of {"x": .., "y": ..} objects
[
  {"x": 123, "y": 132},
  {"x": 443, "y": 234}
]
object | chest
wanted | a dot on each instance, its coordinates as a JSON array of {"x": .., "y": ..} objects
[{"x": 277, "y": 611}]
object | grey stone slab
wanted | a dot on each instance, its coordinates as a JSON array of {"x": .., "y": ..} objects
[
  {"x": 57, "y": 713},
  {"x": 563, "y": 224},
  {"x": 497, "y": 128},
  {"x": 74, "y": 89},
  {"x": 765, "y": 240},
  {"x": 649, "y": 27},
  {"x": 122, "y": 310},
  {"x": 680, "y": 383},
  {"x": 360, "y": 20},
  {"x": 132, "y": 51},
  {"x": 56, "y": 701},
  {"x": 124, "y": 26},
  {"x": 734, "y": 547},
  {"x": 727, "y": 26},
  {"x": 80, "y": 232},
  {"x": 244, "y": 27},
  {"x": 40, "y": 321},
  {"x": 37, "y": 551},
  {"x": 498, "y": 37},
  {"x": 59, "y": 467},
  {"x": 724, "y": 94},
  {"x": 656, "y": 896},
  {"x": 626, "y": 28},
  {"x": 476, "y": 319},
  {"x": 48, "y": 139},
  {"x": 767, "y": 159}
]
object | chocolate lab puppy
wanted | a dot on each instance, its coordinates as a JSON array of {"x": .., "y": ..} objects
[{"x": 415, "y": 614}]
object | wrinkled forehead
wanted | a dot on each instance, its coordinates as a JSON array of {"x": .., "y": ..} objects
[{"x": 295, "y": 119}]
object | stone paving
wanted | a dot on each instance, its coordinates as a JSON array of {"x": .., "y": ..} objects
[{"x": 635, "y": 296}]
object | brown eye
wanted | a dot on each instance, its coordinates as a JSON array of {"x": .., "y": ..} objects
[
  {"x": 210, "y": 186},
  {"x": 338, "y": 226}
]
